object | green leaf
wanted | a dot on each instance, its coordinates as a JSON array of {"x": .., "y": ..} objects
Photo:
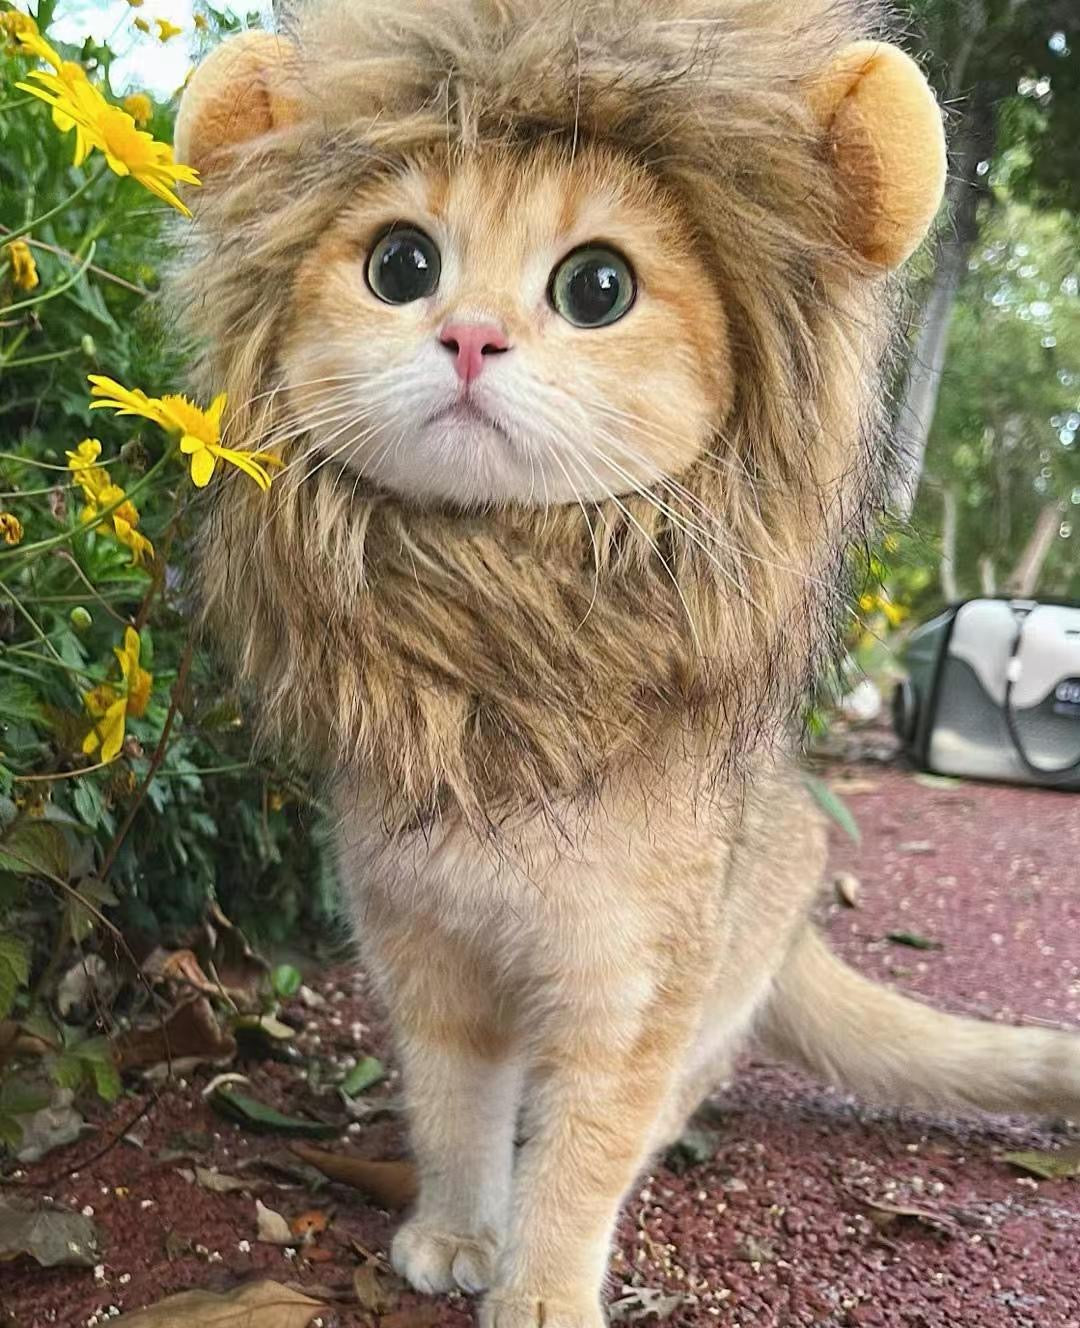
[
  {"x": 834, "y": 807},
  {"x": 35, "y": 848},
  {"x": 913, "y": 940},
  {"x": 88, "y": 802},
  {"x": 81, "y": 920},
  {"x": 14, "y": 970},
  {"x": 363, "y": 1075},
  {"x": 267, "y": 1120},
  {"x": 20, "y": 1098},
  {"x": 1064, "y": 1165},
  {"x": 286, "y": 980}
]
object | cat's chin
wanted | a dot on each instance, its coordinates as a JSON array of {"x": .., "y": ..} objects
[{"x": 461, "y": 456}]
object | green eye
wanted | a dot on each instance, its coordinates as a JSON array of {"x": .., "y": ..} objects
[
  {"x": 404, "y": 266},
  {"x": 594, "y": 287}
]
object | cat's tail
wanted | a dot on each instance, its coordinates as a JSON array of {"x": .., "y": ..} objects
[{"x": 888, "y": 1048}]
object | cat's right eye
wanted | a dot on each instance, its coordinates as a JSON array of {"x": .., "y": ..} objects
[{"x": 404, "y": 266}]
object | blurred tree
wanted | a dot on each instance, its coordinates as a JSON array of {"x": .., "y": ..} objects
[{"x": 1009, "y": 73}]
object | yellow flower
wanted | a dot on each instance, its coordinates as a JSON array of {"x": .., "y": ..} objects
[
  {"x": 167, "y": 30},
  {"x": 128, "y": 150},
  {"x": 109, "y": 707},
  {"x": 142, "y": 25},
  {"x": 139, "y": 106},
  {"x": 200, "y": 22},
  {"x": 100, "y": 491},
  {"x": 199, "y": 430},
  {"x": 14, "y": 23},
  {"x": 135, "y": 4},
  {"x": 11, "y": 531},
  {"x": 868, "y": 603},
  {"x": 24, "y": 271}
]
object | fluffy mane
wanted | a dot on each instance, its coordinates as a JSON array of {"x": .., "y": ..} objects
[{"x": 481, "y": 663}]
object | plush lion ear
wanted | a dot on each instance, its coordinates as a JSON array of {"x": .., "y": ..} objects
[
  {"x": 241, "y": 91},
  {"x": 887, "y": 143}
]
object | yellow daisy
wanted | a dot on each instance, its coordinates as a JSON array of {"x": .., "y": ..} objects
[
  {"x": 109, "y": 706},
  {"x": 139, "y": 106},
  {"x": 11, "y": 530}
]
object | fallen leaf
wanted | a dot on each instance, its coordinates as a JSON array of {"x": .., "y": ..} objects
[
  {"x": 913, "y": 940},
  {"x": 644, "y": 1302},
  {"x": 847, "y": 888},
  {"x": 235, "y": 962},
  {"x": 258, "y": 1116},
  {"x": 272, "y": 1227},
  {"x": 752, "y": 1250},
  {"x": 50, "y": 1127},
  {"x": 176, "y": 1246},
  {"x": 191, "y": 1029},
  {"x": 887, "y": 1215},
  {"x": 88, "y": 984},
  {"x": 937, "y": 781},
  {"x": 375, "y": 1290},
  {"x": 693, "y": 1148},
  {"x": 1063, "y": 1165},
  {"x": 217, "y": 1182},
  {"x": 306, "y": 1226},
  {"x": 919, "y": 846},
  {"x": 392, "y": 1185},
  {"x": 52, "y": 1236},
  {"x": 366, "y": 1073},
  {"x": 269, "y": 1304},
  {"x": 833, "y": 807}
]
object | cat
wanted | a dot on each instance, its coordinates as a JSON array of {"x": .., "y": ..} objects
[{"x": 568, "y": 320}]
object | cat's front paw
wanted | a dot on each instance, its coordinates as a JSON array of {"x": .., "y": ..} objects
[
  {"x": 434, "y": 1261},
  {"x": 507, "y": 1309}
]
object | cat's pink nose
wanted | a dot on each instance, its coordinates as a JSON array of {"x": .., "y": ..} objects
[{"x": 471, "y": 344}]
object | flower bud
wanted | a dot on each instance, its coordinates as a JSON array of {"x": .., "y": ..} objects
[{"x": 80, "y": 619}]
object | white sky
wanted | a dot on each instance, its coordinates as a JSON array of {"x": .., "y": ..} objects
[{"x": 142, "y": 62}]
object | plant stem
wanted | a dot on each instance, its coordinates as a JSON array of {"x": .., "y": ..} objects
[
  {"x": 88, "y": 183},
  {"x": 41, "y": 359},
  {"x": 54, "y": 291}
]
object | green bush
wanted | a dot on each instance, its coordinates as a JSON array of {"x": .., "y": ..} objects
[{"x": 128, "y": 795}]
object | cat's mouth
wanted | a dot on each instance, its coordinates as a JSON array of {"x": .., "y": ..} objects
[{"x": 465, "y": 411}]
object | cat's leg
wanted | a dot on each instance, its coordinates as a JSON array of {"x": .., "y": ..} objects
[
  {"x": 604, "y": 1073},
  {"x": 462, "y": 1088}
]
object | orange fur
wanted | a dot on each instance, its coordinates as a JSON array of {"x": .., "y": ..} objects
[{"x": 550, "y": 660}]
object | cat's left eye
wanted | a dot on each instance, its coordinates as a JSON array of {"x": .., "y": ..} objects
[
  {"x": 593, "y": 287},
  {"x": 404, "y": 266}
]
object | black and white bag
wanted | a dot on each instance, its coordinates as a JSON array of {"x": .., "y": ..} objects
[{"x": 993, "y": 692}]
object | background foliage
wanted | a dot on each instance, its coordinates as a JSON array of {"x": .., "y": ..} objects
[{"x": 209, "y": 825}]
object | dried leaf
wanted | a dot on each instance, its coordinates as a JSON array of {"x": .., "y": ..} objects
[
  {"x": 258, "y": 1116},
  {"x": 306, "y": 1226},
  {"x": 638, "y": 1303},
  {"x": 847, "y": 888},
  {"x": 217, "y": 1182},
  {"x": 52, "y": 1127},
  {"x": 52, "y": 1236},
  {"x": 1062, "y": 1165},
  {"x": 693, "y": 1148},
  {"x": 268, "y": 1304},
  {"x": 390, "y": 1184},
  {"x": 375, "y": 1290},
  {"x": 88, "y": 983},
  {"x": 192, "y": 1029},
  {"x": 272, "y": 1227},
  {"x": 886, "y": 1215}
]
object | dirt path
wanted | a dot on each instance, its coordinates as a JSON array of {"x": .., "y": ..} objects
[{"x": 779, "y": 1225}]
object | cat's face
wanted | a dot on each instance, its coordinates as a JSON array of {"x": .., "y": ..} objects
[{"x": 508, "y": 331}]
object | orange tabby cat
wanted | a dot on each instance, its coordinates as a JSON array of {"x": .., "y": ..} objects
[{"x": 568, "y": 320}]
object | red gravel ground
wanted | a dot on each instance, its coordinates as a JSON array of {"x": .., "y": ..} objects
[{"x": 777, "y": 1228}]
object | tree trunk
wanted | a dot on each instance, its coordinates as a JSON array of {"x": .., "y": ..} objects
[
  {"x": 1023, "y": 580},
  {"x": 949, "y": 587},
  {"x": 955, "y": 242},
  {"x": 988, "y": 575}
]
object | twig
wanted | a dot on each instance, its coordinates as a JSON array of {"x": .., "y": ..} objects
[{"x": 97, "y": 271}]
